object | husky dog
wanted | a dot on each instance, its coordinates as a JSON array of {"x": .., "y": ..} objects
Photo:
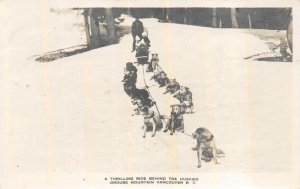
[
  {"x": 206, "y": 146},
  {"x": 172, "y": 87},
  {"x": 151, "y": 121},
  {"x": 153, "y": 63},
  {"x": 130, "y": 73},
  {"x": 161, "y": 78},
  {"x": 176, "y": 120},
  {"x": 184, "y": 95}
]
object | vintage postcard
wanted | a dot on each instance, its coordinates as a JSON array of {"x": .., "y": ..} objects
[{"x": 161, "y": 94}]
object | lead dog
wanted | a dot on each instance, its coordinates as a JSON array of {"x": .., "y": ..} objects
[{"x": 206, "y": 146}]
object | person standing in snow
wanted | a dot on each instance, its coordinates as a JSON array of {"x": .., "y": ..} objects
[{"x": 137, "y": 29}]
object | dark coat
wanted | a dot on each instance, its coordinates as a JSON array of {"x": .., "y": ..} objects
[{"x": 137, "y": 28}]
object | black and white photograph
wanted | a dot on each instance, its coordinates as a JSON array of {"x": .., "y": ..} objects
[{"x": 131, "y": 96}]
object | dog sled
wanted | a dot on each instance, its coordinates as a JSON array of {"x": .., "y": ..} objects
[
  {"x": 142, "y": 59},
  {"x": 142, "y": 54}
]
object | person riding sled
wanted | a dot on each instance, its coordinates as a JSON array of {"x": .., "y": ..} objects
[{"x": 142, "y": 51}]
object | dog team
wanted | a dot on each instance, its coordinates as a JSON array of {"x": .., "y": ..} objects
[
  {"x": 140, "y": 98},
  {"x": 206, "y": 147}
]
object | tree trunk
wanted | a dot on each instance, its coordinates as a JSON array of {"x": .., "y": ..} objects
[
  {"x": 152, "y": 13},
  {"x": 87, "y": 27},
  {"x": 233, "y": 18},
  {"x": 250, "y": 24},
  {"x": 167, "y": 14},
  {"x": 214, "y": 21},
  {"x": 95, "y": 31},
  {"x": 189, "y": 17},
  {"x": 128, "y": 11},
  {"x": 110, "y": 26},
  {"x": 163, "y": 18},
  {"x": 289, "y": 35},
  {"x": 185, "y": 16}
]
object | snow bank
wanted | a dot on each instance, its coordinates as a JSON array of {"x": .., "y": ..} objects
[{"x": 40, "y": 31}]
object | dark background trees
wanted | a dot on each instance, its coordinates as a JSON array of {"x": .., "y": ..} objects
[{"x": 256, "y": 18}]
